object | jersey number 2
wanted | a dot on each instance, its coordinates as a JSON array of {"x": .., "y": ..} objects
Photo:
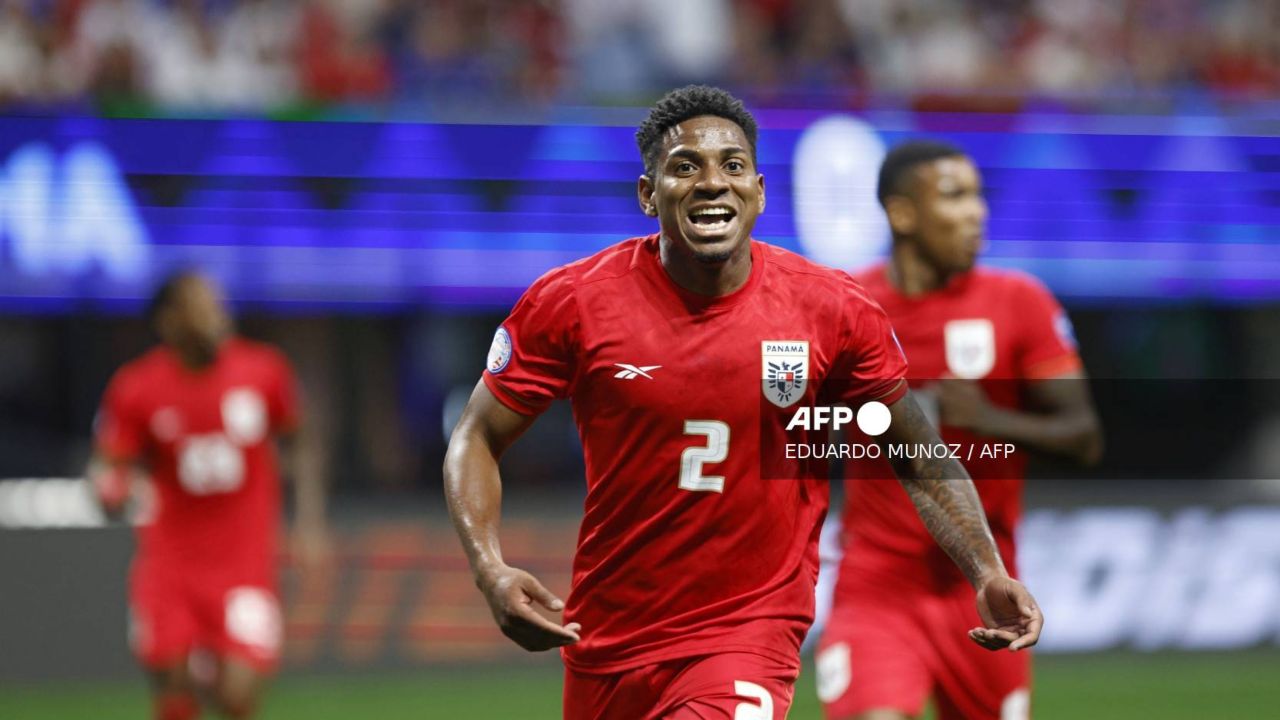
[
  {"x": 692, "y": 459},
  {"x": 752, "y": 711}
]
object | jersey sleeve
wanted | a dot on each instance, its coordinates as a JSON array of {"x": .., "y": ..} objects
[
  {"x": 120, "y": 426},
  {"x": 871, "y": 365},
  {"x": 533, "y": 358},
  {"x": 1046, "y": 345},
  {"x": 282, "y": 396}
]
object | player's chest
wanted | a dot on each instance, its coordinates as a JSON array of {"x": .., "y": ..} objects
[
  {"x": 232, "y": 409},
  {"x": 958, "y": 341},
  {"x": 715, "y": 361}
]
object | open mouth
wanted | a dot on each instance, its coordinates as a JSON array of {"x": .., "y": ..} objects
[{"x": 712, "y": 219}]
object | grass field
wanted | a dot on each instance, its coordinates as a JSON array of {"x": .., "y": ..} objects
[{"x": 1122, "y": 686}]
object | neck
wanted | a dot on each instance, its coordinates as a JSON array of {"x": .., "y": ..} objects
[
  {"x": 709, "y": 279},
  {"x": 911, "y": 274},
  {"x": 195, "y": 358}
]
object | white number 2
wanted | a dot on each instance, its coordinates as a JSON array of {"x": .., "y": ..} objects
[
  {"x": 752, "y": 711},
  {"x": 692, "y": 459}
]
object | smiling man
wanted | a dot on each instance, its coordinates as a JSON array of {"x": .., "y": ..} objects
[{"x": 683, "y": 354}]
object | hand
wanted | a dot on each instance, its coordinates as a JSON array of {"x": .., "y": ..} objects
[
  {"x": 111, "y": 487},
  {"x": 511, "y": 593},
  {"x": 962, "y": 404},
  {"x": 1011, "y": 616},
  {"x": 111, "y": 484}
]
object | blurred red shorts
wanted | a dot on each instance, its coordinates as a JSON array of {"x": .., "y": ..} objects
[
  {"x": 889, "y": 648},
  {"x": 174, "y": 612}
]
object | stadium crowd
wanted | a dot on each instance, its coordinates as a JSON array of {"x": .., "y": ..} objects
[{"x": 273, "y": 55}]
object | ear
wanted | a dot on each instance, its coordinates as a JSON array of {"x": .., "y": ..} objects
[
  {"x": 644, "y": 193},
  {"x": 902, "y": 214},
  {"x": 760, "y": 203}
]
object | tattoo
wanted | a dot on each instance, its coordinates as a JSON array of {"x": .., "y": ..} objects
[{"x": 945, "y": 499}]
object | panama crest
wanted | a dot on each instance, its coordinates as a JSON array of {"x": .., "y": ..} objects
[
  {"x": 785, "y": 370},
  {"x": 971, "y": 347}
]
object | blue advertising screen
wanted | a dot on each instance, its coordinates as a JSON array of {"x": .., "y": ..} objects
[{"x": 370, "y": 216}]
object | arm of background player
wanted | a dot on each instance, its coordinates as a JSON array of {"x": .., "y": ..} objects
[
  {"x": 310, "y": 544},
  {"x": 1060, "y": 421},
  {"x": 473, "y": 490},
  {"x": 948, "y": 505},
  {"x": 111, "y": 480}
]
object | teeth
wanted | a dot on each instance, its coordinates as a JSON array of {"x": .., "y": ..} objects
[{"x": 712, "y": 211}]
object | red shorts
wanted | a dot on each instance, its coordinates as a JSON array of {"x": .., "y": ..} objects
[
  {"x": 729, "y": 686},
  {"x": 889, "y": 649},
  {"x": 173, "y": 613}
]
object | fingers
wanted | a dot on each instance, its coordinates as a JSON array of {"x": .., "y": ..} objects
[
  {"x": 1032, "y": 634},
  {"x": 535, "y": 633},
  {"x": 541, "y": 594},
  {"x": 1015, "y": 637},
  {"x": 993, "y": 638},
  {"x": 512, "y": 596}
]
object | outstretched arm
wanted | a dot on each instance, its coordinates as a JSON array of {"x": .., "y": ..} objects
[
  {"x": 473, "y": 490},
  {"x": 948, "y": 505}
]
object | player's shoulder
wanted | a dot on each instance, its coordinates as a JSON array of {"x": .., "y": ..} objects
[
  {"x": 1008, "y": 281},
  {"x": 812, "y": 278},
  {"x": 611, "y": 263},
  {"x": 870, "y": 275},
  {"x": 256, "y": 352},
  {"x": 146, "y": 367},
  {"x": 141, "y": 376}
]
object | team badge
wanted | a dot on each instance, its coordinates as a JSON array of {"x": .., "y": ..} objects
[
  {"x": 244, "y": 416},
  {"x": 499, "y": 351},
  {"x": 971, "y": 348},
  {"x": 785, "y": 369}
]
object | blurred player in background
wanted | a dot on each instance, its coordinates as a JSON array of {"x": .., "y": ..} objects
[
  {"x": 199, "y": 414},
  {"x": 694, "y": 574},
  {"x": 991, "y": 357}
]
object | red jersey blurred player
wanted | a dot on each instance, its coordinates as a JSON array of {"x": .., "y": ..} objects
[
  {"x": 684, "y": 354},
  {"x": 199, "y": 414},
  {"x": 1005, "y": 349}
]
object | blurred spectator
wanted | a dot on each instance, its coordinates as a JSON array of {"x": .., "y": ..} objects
[
  {"x": 259, "y": 46},
  {"x": 341, "y": 58},
  {"x": 263, "y": 55},
  {"x": 21, "y": 61}
]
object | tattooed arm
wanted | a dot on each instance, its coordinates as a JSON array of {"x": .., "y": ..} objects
[{"x": 948, "y": 505}]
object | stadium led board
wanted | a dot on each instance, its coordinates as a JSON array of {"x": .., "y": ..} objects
[{"x": 384, "y": 217}]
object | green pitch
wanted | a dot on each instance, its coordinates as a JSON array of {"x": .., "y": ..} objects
[{"x": 1120, "y": 685}]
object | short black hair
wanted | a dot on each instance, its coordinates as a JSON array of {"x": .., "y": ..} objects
[
  {"x": 905, "y": 158},
  {"x": 166, "y": 292},
  {"x": 690, "y": 101}
]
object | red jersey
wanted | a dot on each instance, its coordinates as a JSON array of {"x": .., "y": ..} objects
[
  {"x": 997, "y": 327},
  {"x": 206, "y": 436},
  {"x": 684, "y": 548}
]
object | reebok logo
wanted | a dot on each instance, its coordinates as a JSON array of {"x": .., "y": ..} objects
[{"x": 630, "y": 372}]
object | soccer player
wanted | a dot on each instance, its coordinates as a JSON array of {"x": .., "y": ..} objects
[
  {"x": 992, "y": 353},
  {"x": 199, "y": 414},
  {"x": 683, "y": 354}
]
